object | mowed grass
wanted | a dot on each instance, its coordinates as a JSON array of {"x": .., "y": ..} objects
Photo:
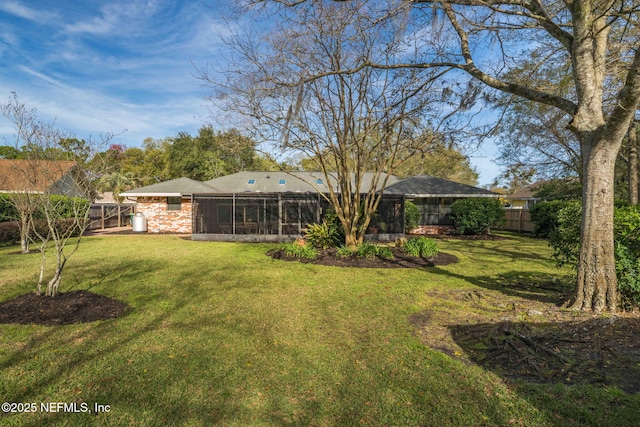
[{"x": 220, "y": 334}]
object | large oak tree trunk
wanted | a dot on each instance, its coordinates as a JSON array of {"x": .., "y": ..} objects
[{"x": 597, "y": 287}]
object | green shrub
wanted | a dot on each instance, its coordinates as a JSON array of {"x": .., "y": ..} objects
[
  {"x": 69, "y": 207},
  {"x": 544, "y": 216},
  {"x": 299, "y": 251},
  {"x": 421, "y": 247},
  {"x": 626, "y": 223},
  {"x": 477, "y": 216},
  {"x": 9, "y": 233},
  {"x": 411, "y": 216},
  {"x": 367, "y": 250},
  {"x": 331, "y": 218},
  {"x": 385, "y": 252},
  {"x": 10, "y": 230},
  {"x": 7, "y": 210},
  {"x": 321, "y": 236},
  {"x": 344, "y": 251},
  {"x": 60, "y": 207},
  {"x": 628, "y": 274},
  {"x": 565, "y": 242}
]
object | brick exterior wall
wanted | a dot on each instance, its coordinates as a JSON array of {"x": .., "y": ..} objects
[{"x": 161, "y": 220}]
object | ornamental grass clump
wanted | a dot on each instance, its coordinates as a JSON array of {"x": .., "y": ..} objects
[
  {"x": 298, "y": 250},
  {"x": 421, "y": 247},
  {"x": 322, "y": 236},
  {"x": 344, "y": 252},
  {"x": 385, "y": 252},
  {"x": 369, "y": 250}
]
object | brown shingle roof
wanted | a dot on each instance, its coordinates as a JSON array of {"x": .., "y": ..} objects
[{"x": 32, "y": 175}]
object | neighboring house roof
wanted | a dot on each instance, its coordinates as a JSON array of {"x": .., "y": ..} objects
[
  {"x": 281, "y": 182},
  {"x": 429, "y": 186},
  {"x": 524, "y": 193},
  {"x": 173, "y": 188},
  {"x": 39, "y": 176}
]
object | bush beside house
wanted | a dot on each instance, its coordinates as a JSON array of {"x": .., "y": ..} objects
[
  {"x": 565, "y": 242},
  {"x": 477, "y": 216}
]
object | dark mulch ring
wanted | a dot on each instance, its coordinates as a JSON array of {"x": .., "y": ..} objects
[
  {"x": 64, "y": 309},
  {"x": 534, "y": 341},
  {"x": 400, "y": 259}
]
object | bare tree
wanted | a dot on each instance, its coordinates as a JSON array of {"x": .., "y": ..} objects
[
  {"x": 290, "y": 83},
  {"x": 486, "y": 39},
  {"x": 535, "y": 135},
  {"x": 54, "y": 193}
]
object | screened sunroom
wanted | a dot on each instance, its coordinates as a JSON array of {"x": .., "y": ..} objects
[{"x": 274, "y": 217}]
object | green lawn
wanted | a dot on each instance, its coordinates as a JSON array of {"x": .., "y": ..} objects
[{"x": 220, "y": 334}]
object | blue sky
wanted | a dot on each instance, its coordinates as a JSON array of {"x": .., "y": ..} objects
[
  {"x": 106, "y": 66},
  {"x": 97, "y": 67}
]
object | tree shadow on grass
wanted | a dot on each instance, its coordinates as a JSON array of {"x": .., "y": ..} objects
[
  {"x": 513, "y": 325},
  {"x": 91, "y": 343},
  {"x": 598, "y": 351},
  {"x": 534, "y": 286}
]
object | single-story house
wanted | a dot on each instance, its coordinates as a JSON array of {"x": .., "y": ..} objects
[
  {"x": 271, "y": 206},
  {"x": 523, "y": 198},
  {"x": 41, "y": 177},
  {"x": 434, "y": 197},
  {"x": 167, "y": 206}
]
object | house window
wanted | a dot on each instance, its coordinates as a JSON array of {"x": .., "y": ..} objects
[
  {"x": 282, "y": 182},
  {"x": 251, "y": 181},
  {"x": 174, "y": 203}
]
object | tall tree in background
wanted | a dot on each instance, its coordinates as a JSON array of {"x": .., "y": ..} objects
[
  {"x": 289, "y": 82},
  {"x": 487, "y": 39},
  {"x": 210, "y": 154},
  {"x": 442, "y": 161},
  {"x": 117, "y": 183}
]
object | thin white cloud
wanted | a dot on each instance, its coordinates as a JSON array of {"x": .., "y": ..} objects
[
  {"x": 117, "y": 65},
  {"x": 116, "y": 19},
  {"x": 21, "y": 11},
  {"x": 87, "y": 112}
]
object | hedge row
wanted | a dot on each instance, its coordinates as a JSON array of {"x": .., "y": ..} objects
[
  {"x": 10, "y": 230},
  {"x": 65, "y": 207}
]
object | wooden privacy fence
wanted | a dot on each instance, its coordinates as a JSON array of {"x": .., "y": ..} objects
[
  {"x": 518, "y": 220},
  {"x": 106, "y": 215}
]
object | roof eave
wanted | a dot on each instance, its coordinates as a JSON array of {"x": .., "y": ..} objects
[
  {"x": 154, "y": 194},
  {"x": 449, "y": 195}
]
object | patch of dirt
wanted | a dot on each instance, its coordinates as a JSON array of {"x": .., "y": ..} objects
[
  {"x": 63, "y": 309},
  {"x": 534, "y": 341},
  {"x": 400, "y": 259}
]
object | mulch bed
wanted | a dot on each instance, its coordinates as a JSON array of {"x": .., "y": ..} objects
[
  {"x": 532, "y": 340},
  {"x": 63, "y": 309},
  {"x": 400, "y": 259}
]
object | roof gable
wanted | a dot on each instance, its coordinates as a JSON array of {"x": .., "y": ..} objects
[
  {"x": 175, "y": 187},
  {"x": 36, "y": 176},
  {"x": 429, "y": 186}
]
